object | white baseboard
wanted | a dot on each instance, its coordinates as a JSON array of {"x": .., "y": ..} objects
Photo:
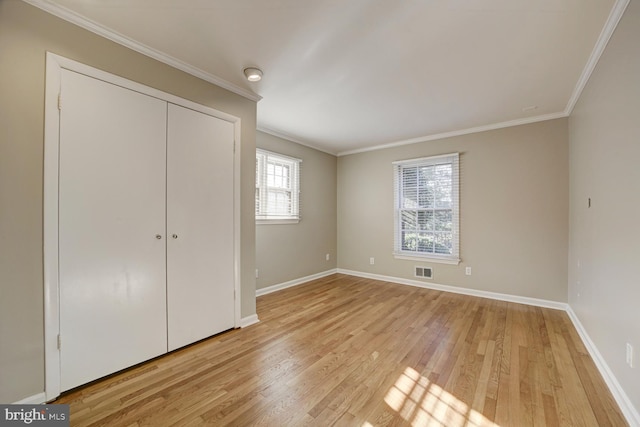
[
  {"x": 627, "y": 408},
  {"x": 36, "y": 399},
  {"x": 249, "y": 320},
  {"x": 457, "y": 290},
  {"x": 629, "y": 411},
  {"x": 295, "y": 282}
]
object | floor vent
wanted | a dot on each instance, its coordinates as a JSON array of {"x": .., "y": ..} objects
[{"x": 424, "y": 272}]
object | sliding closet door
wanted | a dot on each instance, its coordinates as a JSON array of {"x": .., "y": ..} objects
[
  {"x": 200, "y": 269},
  {"x": 111, "y": 228}
]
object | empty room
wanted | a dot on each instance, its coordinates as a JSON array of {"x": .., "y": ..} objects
[{"x": 287, "y": 213}]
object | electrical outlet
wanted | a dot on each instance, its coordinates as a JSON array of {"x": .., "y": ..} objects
[
  {"x": 328, "y": 257},
  {"x": 630, "y": 355},
  {"x": 467, "y": 271},
  {"x": 256, "y": 273},
  {"x": 372, "y": 260}
]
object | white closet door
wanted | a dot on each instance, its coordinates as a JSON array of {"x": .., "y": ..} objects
[
  {"x": 111, "y": 228},
  {"x": 200, "y": 270}
]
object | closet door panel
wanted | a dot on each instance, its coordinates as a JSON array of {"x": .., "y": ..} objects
[
  {"x": 111, "y": 210},
  {"x": 200, "y": 269}
]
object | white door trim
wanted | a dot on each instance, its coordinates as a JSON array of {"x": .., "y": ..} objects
[{"x": 54, "y": 66}]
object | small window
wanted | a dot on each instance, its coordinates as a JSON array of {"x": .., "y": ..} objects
[
  {"x": 277, "y": 188},
  {"x": 427, "y": 208}
]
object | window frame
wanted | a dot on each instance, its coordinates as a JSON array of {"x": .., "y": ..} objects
[
  {"x": 398, "y": 167},
  {"x": 263, "y": 190}
]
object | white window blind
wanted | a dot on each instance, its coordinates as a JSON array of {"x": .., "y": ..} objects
[
  {"x": 427, "y": 208},
  {"x": 277, "y": 187}
]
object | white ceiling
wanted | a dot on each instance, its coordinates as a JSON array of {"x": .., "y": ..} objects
[{"x": 348, "y": 75}]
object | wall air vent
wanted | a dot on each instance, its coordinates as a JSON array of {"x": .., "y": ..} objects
[{"x": 424, "y": 272}]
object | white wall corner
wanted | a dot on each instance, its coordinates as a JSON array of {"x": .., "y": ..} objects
[
  {"x": 627, "y": 408},
  {"x": 249, "y": 320}
]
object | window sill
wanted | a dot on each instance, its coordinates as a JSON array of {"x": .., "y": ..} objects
[
  {"x": 426, "y": 258},
  {"x": 276, "y": 221}
]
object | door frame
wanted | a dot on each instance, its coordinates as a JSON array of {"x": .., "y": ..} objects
[{"x": 54, "y": 66}]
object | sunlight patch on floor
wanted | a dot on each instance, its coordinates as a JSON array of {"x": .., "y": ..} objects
[{"x": 425, "y": 404}]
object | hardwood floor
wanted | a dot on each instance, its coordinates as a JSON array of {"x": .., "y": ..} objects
[{"x": 349, "y": 351}]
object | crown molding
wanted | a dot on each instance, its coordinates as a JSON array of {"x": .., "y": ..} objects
[
  {"x": 605, "y": 35},
  {"x": 83, "y": 22},
  {"x": 283, "y": 135},
  {"x": 467, "y": 131},
  {"x": 70, "y": 16}
]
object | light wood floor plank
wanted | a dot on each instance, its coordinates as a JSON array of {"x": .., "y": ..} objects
[{"x": 349, "y": 351}]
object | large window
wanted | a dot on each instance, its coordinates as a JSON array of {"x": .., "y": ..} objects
[
  {"x": 426, "y": 208},
  {"x": 277, "y": 188}
]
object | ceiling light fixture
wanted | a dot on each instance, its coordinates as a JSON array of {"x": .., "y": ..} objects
[{"x": 253, "y": 74}]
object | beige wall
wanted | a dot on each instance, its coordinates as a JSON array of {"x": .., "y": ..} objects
[
  {"x": 513, "y": 206},
  {"x": 291, "y": 251},
  {"x": 26, "y": 33},
  {"x": 514, "y": 197},
  {"x": 604, "y": 257}
]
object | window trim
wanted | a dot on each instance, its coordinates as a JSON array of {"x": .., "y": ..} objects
[
  {"x": 398, "y": 253},
  {"x": 295, "y": 163}
]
